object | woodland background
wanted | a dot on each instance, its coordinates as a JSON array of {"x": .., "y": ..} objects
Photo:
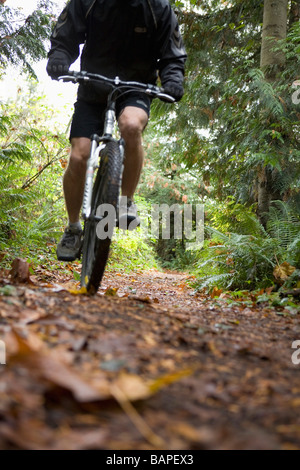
[{"x": 231, "y": 144}]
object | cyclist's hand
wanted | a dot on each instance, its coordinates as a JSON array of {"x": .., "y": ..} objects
[
  {"x": 174, "y": 89},
  {"x": 57, "y": 65}
]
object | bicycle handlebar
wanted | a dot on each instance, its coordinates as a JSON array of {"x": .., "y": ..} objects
[{"x": 149, "y": 89}]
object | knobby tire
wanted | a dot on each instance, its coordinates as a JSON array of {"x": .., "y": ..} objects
[{"x": 106, "y": 190}]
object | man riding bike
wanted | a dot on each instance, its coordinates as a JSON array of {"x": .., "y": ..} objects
[{"x": 134, "y": 40}]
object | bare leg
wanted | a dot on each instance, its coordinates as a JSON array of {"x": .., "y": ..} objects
[
  {"x": 132, "y": 122},
  {"x": 74, "y": 177}
]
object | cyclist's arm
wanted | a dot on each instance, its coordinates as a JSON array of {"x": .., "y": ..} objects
[
  {"x": 70, "y": 30},
  {"x": 171, "y": 50}
]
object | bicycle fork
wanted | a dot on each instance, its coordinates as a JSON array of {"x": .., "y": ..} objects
[{"x": 92, "y": 165}]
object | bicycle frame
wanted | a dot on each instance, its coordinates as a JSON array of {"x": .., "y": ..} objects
[{"x": 97, "y": 144}]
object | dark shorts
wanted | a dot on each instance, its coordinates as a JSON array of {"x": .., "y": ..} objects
[{"x": 88, "y": 118}]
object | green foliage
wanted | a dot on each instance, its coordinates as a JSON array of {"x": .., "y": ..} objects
[
  {"x": 239, "y": 261},
  {"x": 32, "y": 154},
  {"x": 130, "y": 252},
  {"x": 247, "y": 260},
  {"x": 165, "y": 180},
  {"x": 233, "y": 131},
  {"x": 230, "y": 216},
  {"x": 284, "y": 224},
  {"x": 23, "y": 39},
  {"x": 232, "y": 121}
]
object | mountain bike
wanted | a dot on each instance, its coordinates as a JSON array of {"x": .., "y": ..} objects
[{"x": 103, "y": 178}]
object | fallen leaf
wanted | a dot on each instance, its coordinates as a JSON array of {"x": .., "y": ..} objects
[
  {"x": 283, "y": 271},
  {"x": 216, "y": 292},
  {"x": 31, "y": 354},
  {"x": 133, "y": 387},
  {"x": 169, "y": 379},
  {"x": 111, "y": 291},
  {"x": 80, "y": 291},
  {"x": 145, "y": 299}
]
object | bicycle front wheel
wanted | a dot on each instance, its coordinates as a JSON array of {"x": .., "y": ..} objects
[{"x": 95, "y": 250}]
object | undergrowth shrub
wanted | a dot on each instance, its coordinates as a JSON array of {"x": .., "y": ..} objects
[{"x": 247, "y": 260}]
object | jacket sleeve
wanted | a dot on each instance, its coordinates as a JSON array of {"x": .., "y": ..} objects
[
  {"x": 171, "y": 50},
  {"x": 70, "y": 31}
]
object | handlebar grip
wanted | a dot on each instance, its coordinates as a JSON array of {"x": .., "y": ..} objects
[
  {"x": 67, "y": 78},
  {"x": 70, "y": 76},
  {"x": 165, "y": 97}
]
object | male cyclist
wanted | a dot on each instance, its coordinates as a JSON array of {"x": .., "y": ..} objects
[{"x": 134, "y": 40}]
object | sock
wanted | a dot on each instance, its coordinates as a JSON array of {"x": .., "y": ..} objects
[{"x": 75, "y": 226}]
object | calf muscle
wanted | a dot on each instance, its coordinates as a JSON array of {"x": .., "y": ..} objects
[{"x": 74, "y": 177}]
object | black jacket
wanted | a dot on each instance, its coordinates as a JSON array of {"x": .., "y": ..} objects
[{"x": 132, "y": 39}]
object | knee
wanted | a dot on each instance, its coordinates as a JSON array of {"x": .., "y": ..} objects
[
  {"x": 79, "y": 155},
  {"x": 131, "y": 128}
]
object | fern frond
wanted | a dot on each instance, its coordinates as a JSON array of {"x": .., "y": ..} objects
[
  {"x": 216, "y": 280},
  {"x": 267, "y": 94},
  {"x": 283, "y": 224}
]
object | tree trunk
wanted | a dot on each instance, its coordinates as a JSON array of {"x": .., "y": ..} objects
[
  {"x": 266, "y": 192},
  {"x": 294, "y": 12},
  {"x": 274, "y": 29}
]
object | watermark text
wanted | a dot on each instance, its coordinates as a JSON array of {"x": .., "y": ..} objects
[
  {"x": 296, "y": 94},
  {"x": 296, "y": 354},
  {"x": 163, "y": 221},
  {"x": 2, "y": 352}
]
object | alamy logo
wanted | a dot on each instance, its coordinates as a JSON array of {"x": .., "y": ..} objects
[
  {"x": 296, "y": 94},
  {"x": 296, "y": 355},
  {"x": 188, "y": 221},
  {"x": 178, "y": 221},
  {"x": 2, "y": 352}
]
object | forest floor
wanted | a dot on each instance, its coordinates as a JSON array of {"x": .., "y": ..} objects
[{"x": 145, "y": 364}]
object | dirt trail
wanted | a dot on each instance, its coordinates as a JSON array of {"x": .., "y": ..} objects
[{"x": 145, "y": 364}]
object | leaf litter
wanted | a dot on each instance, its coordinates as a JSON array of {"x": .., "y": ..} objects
[{"x": 145, "y": 364}]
